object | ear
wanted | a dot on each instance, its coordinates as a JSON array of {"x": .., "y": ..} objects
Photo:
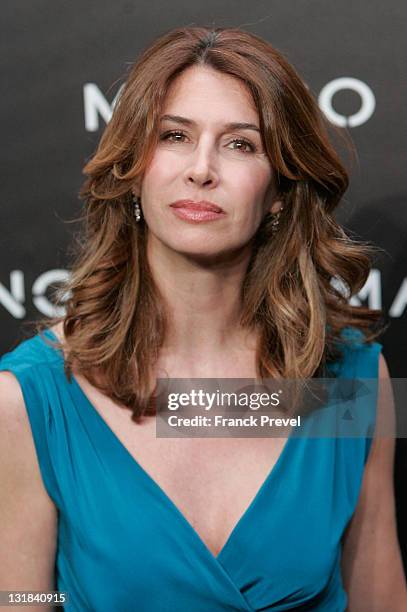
[
  {"x": 136, "y": 188},
  {"x": 276, "y": 206}
]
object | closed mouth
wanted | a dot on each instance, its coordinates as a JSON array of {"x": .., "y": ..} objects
[{"x": 199, "y": 206}]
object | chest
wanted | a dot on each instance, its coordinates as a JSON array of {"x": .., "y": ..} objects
[{"x": 212, "y": 481}]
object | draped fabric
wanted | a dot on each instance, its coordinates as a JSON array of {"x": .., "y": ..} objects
[{"x": 123, "y": 545}]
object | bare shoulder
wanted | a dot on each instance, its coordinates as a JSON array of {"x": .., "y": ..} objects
[
  {"x": 28, "y": 516},
  {"x": 370, "y": 544},
  {"x": 13, "y": 414}
]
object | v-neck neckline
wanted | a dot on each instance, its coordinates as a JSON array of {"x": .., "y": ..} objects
[{"x": 155, "y": 486}]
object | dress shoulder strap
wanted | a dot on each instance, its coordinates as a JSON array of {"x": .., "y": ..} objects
[
  {"x": 31, "y": 362},
  {"x": 359, "y": 359}
]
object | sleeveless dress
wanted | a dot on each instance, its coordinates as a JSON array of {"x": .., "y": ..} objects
[{"x": 124, "y": 546}]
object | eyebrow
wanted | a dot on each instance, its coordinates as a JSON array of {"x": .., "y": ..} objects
[{"x": 236, "y": 125}]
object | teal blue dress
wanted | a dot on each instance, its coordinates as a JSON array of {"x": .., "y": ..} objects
[{"x": 124, "y": 546}]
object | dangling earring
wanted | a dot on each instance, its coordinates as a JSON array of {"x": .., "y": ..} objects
[
  {"x": 137, "y": 208},
  {"x": 275, "y": 220}
]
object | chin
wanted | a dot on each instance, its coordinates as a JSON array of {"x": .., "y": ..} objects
[
  {"x": 204, "y": 247},
  {"x": 210, "y": 256}
]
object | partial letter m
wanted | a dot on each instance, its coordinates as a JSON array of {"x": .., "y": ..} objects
[{"x": 95, "y": 105}]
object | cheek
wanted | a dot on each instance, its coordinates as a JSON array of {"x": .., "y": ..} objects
[
  {"x": 253, "y": 193},
  {"x": 158, "y": 174}
]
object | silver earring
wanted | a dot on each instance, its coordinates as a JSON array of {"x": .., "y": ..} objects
[
  {"x": 137, "y": 208},
  {"x": 275, "y": 220}
]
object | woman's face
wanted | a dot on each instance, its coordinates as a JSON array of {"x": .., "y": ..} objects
[{"x": 200, "y": 157}]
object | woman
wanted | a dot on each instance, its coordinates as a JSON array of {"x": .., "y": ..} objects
[{"x": 209, "y": 250}]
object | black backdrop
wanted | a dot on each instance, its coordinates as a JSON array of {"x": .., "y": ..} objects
[{"x": 62, "y": 66}]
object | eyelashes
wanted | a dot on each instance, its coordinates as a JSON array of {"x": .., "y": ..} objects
[{"x": 167, "y": 135}]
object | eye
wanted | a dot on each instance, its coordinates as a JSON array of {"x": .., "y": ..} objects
[
  {"x": 167, "y": 136},
  {"x": 247, "y": 143},
  {"x": 175, "y": 136}
]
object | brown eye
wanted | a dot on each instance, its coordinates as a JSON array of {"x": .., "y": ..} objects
[
  {"x": 167, "y": 136},
  {"x": 250, "y": 148}
]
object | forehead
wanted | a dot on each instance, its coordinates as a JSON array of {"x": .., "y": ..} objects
[{"x": 208, "y": 92}]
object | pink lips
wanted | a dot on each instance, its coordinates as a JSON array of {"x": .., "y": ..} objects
[{"x": 197, "y": 212}]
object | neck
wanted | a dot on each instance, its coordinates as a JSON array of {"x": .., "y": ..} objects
[{"x": 204, "y": 300}]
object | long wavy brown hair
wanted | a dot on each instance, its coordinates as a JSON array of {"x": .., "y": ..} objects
[{"x": 116, "y": 320}]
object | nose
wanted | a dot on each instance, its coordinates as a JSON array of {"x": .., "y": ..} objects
[{"x": 201, "y": 168}]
